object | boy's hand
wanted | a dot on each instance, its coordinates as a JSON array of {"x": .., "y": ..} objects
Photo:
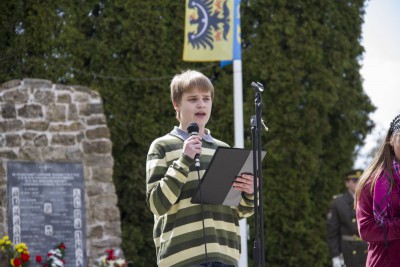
[
  {"x": 244, "y": 183},
  {"x": 192, "y": 146}
]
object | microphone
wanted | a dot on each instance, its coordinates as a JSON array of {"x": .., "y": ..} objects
[{"x": 193, "y": 129}]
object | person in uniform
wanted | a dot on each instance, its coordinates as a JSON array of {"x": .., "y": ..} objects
[{"x": 345, "y": 246}]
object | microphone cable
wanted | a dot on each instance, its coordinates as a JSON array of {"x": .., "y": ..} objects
[{"x": 202, "y": 215}]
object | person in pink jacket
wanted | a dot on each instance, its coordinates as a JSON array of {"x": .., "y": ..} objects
[{"x": 377, "y": 202}]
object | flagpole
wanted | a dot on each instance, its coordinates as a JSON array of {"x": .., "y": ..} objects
[{"x": 239, "y": 143}]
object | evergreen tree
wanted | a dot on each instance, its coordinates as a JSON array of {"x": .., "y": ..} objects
[{"x": 317, "y": 113}]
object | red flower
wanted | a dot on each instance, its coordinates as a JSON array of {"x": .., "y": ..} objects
[
  {"x": 111, "y": 255},
  {"x": 25, "y": 257},
  {"x": 61, "y": 246},
  {"x": 17, "y": 262},
  {"x": 38, "y": 258}
]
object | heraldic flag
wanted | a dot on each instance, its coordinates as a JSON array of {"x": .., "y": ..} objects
[{"x": 211, "y": 29}]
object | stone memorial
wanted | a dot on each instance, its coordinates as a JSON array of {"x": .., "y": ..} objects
[{"x": 46, "y": 124}]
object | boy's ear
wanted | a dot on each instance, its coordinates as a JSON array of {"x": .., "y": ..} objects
[{"x": 176, "y": 106}]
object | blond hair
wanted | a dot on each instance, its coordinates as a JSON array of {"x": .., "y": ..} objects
[
  {"x": 382, "y": 162},
  {"x": 188, "y": 81}
]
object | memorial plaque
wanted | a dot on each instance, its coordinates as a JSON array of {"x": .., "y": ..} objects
[{"x": 46, "y": 206}]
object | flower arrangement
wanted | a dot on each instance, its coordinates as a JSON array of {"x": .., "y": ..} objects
[
  {"x": 19, "y": 255},
  {"x": 111, "y": 259},
  {"x": 55, "y": 257}
]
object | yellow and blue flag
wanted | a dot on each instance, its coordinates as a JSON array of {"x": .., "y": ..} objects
[{"x": 211, "y": 29}]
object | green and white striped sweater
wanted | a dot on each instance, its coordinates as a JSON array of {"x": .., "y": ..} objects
[{"x": 178, "y": 231}]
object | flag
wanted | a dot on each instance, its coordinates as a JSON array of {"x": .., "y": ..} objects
[
  {"x": 237, "y": 39},
  {"x": 210, "y": 30}
]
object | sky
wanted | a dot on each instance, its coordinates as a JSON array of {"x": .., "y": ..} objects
[{"x": 381, "y": 68}]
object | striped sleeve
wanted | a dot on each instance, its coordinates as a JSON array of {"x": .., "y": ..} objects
[
  {"x": 246, "y": 206},
  {"x": 164, "y": 180}
]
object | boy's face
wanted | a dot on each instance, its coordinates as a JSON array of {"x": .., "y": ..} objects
[{"x": 194, "y": 107}]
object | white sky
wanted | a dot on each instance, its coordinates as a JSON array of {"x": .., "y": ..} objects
[{"x": 381, "y": 67}]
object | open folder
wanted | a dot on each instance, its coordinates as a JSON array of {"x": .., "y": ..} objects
[{"x": 216, "y": 184}]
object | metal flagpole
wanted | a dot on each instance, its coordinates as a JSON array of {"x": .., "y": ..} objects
[{"x": 239, "y": 143}]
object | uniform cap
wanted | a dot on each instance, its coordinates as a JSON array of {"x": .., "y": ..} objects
[{"x": 354, "y": 174}]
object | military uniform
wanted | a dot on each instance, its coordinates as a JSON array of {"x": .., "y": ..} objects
[{"x": 343, "y": 237}]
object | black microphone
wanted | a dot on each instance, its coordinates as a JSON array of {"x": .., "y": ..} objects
[{"x": 193, "y": 129}]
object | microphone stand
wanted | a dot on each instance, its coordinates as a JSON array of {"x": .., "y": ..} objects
[{"x": 256, "y": 130}]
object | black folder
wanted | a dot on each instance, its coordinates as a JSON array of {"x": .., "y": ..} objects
[{"x": 216, "y": 184}]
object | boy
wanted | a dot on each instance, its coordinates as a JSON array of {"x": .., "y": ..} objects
[{"x": 181, "y": 236}]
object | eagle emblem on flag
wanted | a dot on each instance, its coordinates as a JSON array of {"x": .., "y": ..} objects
[
  {"x": 208, "y": 18},
  {"x": 208, "y": 30}
]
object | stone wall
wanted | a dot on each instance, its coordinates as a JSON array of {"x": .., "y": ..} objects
[{"x": 45, "y": 122}]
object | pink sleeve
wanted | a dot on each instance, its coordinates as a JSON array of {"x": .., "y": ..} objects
[{"x": 369, "y": 230}]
